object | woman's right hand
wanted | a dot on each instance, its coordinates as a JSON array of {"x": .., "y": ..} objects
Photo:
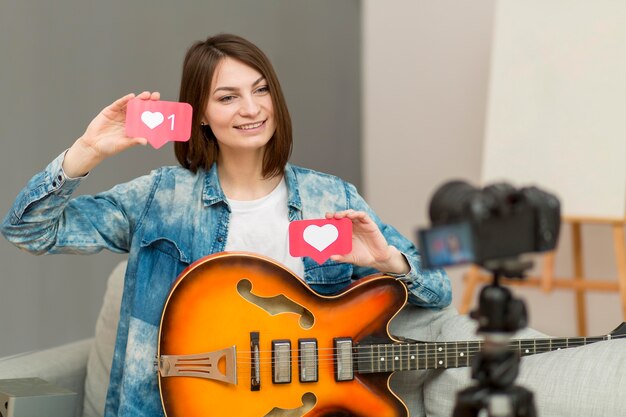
[{"x": 104, "y": 137}]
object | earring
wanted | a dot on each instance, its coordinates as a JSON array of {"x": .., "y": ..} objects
[{"x": 206, "y": 130}]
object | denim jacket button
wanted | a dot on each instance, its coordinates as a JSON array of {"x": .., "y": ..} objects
[{"x": 220, "y": 239}]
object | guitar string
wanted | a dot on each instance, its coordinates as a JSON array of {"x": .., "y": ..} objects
[
  {"x": 428, "y": 357},
  {"x": 325, "y": 364},
  {"x": 411, "y": 356},
  {"x": 448, "y": 362},
  {"x": 513, "y": 344}
]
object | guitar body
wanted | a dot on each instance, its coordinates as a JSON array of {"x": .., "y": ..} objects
[{"x": 223, "y": 300}]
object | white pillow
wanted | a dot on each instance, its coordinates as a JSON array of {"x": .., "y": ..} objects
[
  {"x": 586, "y": 381},
  {"x": 101, "y": 354}
]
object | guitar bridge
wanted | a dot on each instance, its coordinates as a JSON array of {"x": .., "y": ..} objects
[{"x": 201, "y": 365}]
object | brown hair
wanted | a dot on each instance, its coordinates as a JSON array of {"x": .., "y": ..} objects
[{"x": 202, "y": 59}]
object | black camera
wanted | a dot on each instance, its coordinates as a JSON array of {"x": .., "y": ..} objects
[{"x": 473, "y": 225}]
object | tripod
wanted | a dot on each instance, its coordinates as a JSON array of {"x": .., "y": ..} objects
[{"x": 495, "y": 368}]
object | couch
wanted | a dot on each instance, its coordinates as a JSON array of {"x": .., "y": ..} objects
[{"x": 585, "y": 381}]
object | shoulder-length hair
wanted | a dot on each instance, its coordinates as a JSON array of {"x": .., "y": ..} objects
[{"x": 199, "y": 66}]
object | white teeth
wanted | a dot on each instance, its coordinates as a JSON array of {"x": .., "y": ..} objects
[{"x": 250, "y": 126}]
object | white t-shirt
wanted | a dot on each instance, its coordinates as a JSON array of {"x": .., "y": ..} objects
[{"x": 262, "y": 226}]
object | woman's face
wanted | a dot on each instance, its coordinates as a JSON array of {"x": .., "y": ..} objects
[{"x": 239, "y": 109}]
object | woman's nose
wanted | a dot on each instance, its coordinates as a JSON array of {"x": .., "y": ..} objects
[{"x": 249, "y": 107}]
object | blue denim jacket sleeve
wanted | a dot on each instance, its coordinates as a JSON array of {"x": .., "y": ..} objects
[
  {"x": 44, "y": 219},
  {"x": 427, "y": 288}
]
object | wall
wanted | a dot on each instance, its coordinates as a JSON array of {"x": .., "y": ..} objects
[
  {"x": 62, "y": 62},
  {"x": 426, "y": 72}
]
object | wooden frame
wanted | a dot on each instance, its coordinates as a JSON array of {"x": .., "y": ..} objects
[{"x": 579, "y": 283}]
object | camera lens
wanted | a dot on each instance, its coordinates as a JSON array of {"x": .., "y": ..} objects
[{"x": 449, "y": 201}]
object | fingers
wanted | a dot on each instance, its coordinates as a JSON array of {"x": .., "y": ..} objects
[
  {"x": 339, "y": 258},
  {"x": 147, "y": 95},
  {"x": 140, "y": 141},
  {"x": 353, "y": 215},
  {"x": 121, "y": 102}
]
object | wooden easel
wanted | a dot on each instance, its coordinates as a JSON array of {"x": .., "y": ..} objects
[{"x": 578, "y": 283}]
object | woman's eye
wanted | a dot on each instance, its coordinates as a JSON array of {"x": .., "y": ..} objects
[
  {"x": 226, "y": 99},
  {"x": 263, "y": 89}
]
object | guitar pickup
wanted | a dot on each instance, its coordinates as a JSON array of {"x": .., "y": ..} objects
[
  {"x": 281, "y": 361},
  {"x": 344, "y": 369},
  {"x": 307, "y": 350}
]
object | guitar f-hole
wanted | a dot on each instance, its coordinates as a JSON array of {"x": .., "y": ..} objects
[{"x": 275, "y": 305}]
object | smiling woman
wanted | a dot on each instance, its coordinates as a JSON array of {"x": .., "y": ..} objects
[{"x": 234, "y": 191}]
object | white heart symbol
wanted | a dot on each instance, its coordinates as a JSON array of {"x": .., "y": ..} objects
[
  {"x": 152, "y": 120},
  {"x": 320, "y": 237}
]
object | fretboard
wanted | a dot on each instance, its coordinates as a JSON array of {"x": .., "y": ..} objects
[{"x": 434, "y": 355}]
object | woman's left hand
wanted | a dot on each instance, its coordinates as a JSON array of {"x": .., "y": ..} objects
[{"x": 369, "y": 246}]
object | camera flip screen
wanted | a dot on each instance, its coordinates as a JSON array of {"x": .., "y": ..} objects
[{"x": 450, "y": 244}]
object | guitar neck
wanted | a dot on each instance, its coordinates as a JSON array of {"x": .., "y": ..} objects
[{"x": 442, "y": 355}]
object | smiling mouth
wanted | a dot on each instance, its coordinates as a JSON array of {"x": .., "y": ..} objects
[{"x": 250, "y": 126}]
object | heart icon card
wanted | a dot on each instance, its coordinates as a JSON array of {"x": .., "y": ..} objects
[
  {"x": 320, "y": 238},
  {"x": 158, "y": 121}
]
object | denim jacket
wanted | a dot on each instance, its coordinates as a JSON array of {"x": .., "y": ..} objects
[{"x": 165, "y": 221}]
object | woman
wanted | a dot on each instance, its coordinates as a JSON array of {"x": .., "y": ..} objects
[{"x": 233, "y": 172}]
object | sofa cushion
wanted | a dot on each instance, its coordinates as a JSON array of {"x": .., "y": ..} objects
[
  {"x": 61, "y": 365},
  {"x": 101, "y": 353},
  {"x": 585, "y": 381}
]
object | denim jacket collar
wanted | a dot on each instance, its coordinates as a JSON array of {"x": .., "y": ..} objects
[{"x": 213, "y": 193}]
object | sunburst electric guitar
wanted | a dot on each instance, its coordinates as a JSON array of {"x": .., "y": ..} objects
[{"x": 242, "y": 336}]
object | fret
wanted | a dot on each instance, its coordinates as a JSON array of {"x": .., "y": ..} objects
[
  {"x": 364, "y": 357},
  {"x": 473, "y": 349},
  {"x": 377, "y": 357},
  {"x": 558, "y": 343},
  {"x": 383, "y": 360},
  {"x": 415, "y": 350},
  {"x": 461, "y": 353},
  {"x": 407, "y": 357},
  {"x": 526, "y": 347},
  {"x": 411, "y": 357},
  {"x": 452, "y": 360},
  {"x": 389, "y": 358},
  {"x": 431, "y": 355},
  {"x": 397, "y": 355},
  {"x": 466, "y": 353},
  {"x": 576, "y": 341},
  {"x": 595, "y": 339},
  {"x": 421, "y": 357}
]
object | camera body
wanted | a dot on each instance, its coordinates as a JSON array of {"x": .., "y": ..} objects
[{"x": 473, "y": 225}]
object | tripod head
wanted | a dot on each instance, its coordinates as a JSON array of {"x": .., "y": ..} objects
[{"x": 498, "y": 311}]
